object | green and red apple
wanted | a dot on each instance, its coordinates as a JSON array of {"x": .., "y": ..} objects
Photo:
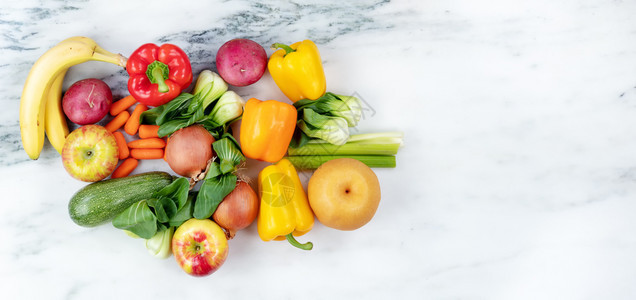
[
  {"x": 90, "y": 153},
  {"x": 199, "y": 246}
]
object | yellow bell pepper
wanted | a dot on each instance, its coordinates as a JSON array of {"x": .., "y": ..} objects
[
  {"x": 297, "y": 70},
  {"x": 284, "y": 211},
  {"x": 267, "y": 128}
]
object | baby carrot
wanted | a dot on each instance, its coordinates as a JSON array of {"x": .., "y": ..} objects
[
  {"x": 147, "y": 143},
  {"x": 148, "y": 131},
  {"x": 118, "y": 121},
  {"x": 132, "y": 125},
  {"x": 125, "y": 168},
  {"x": 140, "y": 153},
  {"x": 121, "y": 144},
  {"x": 121, "y": 105}
]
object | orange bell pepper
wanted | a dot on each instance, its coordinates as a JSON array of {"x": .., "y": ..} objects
[{"x": 266, "y": 129}]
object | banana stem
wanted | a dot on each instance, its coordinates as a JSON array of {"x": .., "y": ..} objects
[{"x": 101, "y": 54}]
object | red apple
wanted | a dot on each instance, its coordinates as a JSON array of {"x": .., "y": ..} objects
[
  {"x": 200, "y": 247},
  {"x": 90, "y": 153}
]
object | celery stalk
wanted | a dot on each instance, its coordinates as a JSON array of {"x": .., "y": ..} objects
[
  {"x": 354, "y": 148},
  {"x": 314, "y": 161}
]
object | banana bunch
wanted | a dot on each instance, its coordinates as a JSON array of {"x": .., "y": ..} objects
[{"x": 41, "y": 101}]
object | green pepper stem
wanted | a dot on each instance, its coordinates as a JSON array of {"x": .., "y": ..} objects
[
  {"x": 163, "y": 87},
  {"x": 295, "y": 243},
  {"x": 284, "y": 47},
  {"x": 158, "y": 72}
]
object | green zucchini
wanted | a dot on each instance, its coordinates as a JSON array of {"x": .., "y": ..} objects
[{"x": 100, "y": 202}]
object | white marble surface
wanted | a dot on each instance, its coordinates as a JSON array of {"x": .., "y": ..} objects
[{"x": 517, "y": 179}]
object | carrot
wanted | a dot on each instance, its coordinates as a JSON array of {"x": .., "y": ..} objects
[
  {"x": 148, "y": 131},
  {"x": 140, "y": 153},
  {"x": 147, "y": 143},
  {"x": 125, "y": 168},
  {"x": 118, "y": 121},
  {"x": 121, "y": 144},
  {"x": 121, "y": 105},
  {"x": 132, "y": 125}
]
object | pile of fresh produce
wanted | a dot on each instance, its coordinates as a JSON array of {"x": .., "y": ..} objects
[{"x": 195, "y": 211}]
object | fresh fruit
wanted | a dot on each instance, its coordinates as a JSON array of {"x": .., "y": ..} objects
[
  {"x": 40, "y": 79},
  {"x": 55, "y": 125},
  {"x": 241, "y": 62},
  {"x": 87, "y": 101},
  {"x": 344, "y": 194},
  {"x": 90, "y": 153},
  {"x": 101, "y": 201},
  {"x": 200, "y": 247}
]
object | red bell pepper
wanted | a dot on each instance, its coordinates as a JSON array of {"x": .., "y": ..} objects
[{"x": 158, "y": 73}]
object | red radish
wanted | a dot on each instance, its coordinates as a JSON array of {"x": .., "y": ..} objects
[
  {"x": 188, "y": 151},
  {"x": 87, "y": 101},
  {"x": 241, "y": 62}
]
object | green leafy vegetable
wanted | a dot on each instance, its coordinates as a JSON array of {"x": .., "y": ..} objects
[
  {"x": 146, "y": 217},
  {"x": 210, "y": 105},
  {"x": 185, "y": 213},
  {"x": 138, "y": 219},
  {"x": 326, "y": 118},
  {"x": 211, "y": 194},
  {"x": 220, "y": 179}
]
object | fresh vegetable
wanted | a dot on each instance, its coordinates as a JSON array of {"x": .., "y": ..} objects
[
  {"x": 147, "y": 143},
  {"x": 382, "y": 143},
  {"x": 297, "y": 70},
  {"x": 158, "y": 74},
  {"x": 211, "y": 106},
  {"x": 132, "y": 124},
  {"x": 156, "y": 211},
  {"x": 238, "y": 209},
  {"x": 118, "y": 121},
  {"x": 90, "y": 153},
  {"x": 220, "y": 178},
  {"x": 189, "y": 150},
  {"x": 200, "y": 247},
  {"x": 373, "y": 149},
  {"x": 87, "y": 101},
  {"x": 141, "y": 153},
  {"x": 121, "y": 105},
  {"x": 327, "y": 118},
  {"x": 284, "y": 210},
  {"x": 124, "y": 152},
  {"x": 312, "y": 162},
  {"x": 241, "y": 62},
  {"x": 148, "y": 131},
  {"x": 101, "y": 201},
  {"x": 159, "y": 245},
  {"x": 45, "y": 72},
  {"x": 266, "y": 129},
  {"x": 125, "y": 168},
  {"x": 344, "y": 194}
]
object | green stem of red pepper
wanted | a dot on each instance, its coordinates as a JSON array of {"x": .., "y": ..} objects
[
  {"x": 284, "y": 47},
  {"x": 158, "y": 72},
  {"x": 295, "y": 243}
]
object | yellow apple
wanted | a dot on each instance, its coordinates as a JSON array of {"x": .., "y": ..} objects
[
  {"x": 344, "y": 194},
  {"x": 90, "y": 153}
]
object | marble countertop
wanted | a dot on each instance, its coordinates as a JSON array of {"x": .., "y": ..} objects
[{"x": 517, "y": 179}]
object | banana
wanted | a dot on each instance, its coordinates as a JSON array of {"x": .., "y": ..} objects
[
  {"x": 56, "y": 128},
  {"x": 39, "y": 84}
]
